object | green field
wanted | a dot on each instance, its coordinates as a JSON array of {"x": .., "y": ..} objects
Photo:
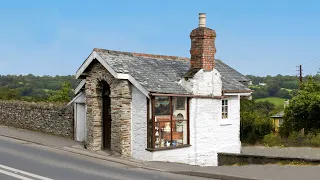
[{"x": 274, "y": 100}]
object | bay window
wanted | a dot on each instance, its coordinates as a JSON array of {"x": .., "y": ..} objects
[{"x": 168, "y": 122}]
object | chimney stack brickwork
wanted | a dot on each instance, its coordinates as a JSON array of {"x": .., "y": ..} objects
[{"x": 202, "y": 47}]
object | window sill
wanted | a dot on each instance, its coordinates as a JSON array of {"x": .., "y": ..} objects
[
  {"x": 225, "y": 122},
  {"x": 168, "y": 148}
]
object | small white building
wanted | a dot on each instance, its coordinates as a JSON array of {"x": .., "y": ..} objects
[{"x": 161, "y": 108}]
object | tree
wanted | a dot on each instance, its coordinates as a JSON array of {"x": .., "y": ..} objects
[
  {"x": 273, "y": 89},
  {"x": 303, "y": 110},
  {"x": 255, "y": 120},
  {"x": 283, "y": 93},
  {"x": 61, "y": 95}
]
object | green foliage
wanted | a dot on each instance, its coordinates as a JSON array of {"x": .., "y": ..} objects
[
  {"x": 314, "y": 139},
  {"x": 283, "y": 93},
  {"x": 273, "y": 89},
  {"x": 296, "y": 138},
  {"x": 255, "y": 120},
  {"x": 277, "y": 86},
  {"x": 61, "y": 95},
  {"x": 303, "y": 110},
  {"x": 293, "y": 140},
  {"x": 271, "y": 140},
  {"x": 32, "y": 88},
  {"x": 260, "y": 93}
]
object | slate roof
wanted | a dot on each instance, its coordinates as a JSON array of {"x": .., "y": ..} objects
[
  {"x": 161, "y": 74},
  {"x": 278, "y": 115}
]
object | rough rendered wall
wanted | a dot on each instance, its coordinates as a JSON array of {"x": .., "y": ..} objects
[
  {"x": 209, "y": 133},
  {"x": 206, "y": 83},
  {"x": 204, "y": 137},
  {"x": 55, "y": 119},
  {"x": 120, "y": 111},
  {"x": 139, "y": 126},
  {"x": 229, "y": 132}
]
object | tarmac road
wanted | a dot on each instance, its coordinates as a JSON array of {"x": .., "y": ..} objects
[{"x": 29, "y": 161}]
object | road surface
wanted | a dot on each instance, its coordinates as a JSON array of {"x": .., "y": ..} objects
[{"x": 28, "y": 161}]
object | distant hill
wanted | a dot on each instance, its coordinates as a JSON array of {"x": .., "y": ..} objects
[
  {"x": 276, "y": 86},
  {"x": 32, "y": 88}
]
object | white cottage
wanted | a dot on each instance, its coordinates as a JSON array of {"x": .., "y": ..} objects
[{"x": 161, "y": 108}]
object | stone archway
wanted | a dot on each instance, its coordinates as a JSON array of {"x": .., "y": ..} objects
[{"x": 120, "y": 110}]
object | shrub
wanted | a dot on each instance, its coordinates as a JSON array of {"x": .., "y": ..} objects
[
  {"x": 271, "y": 140},
  {"x": 315, "y": 140},
  {"x": 296, "y": 139}
]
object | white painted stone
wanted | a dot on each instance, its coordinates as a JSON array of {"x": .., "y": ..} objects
[
  {"x": 139, "y": 126},
  {"x": 204, "y": 83},
  {"x": 209, "y": 133},
  {"x": 229, "y": 131}
]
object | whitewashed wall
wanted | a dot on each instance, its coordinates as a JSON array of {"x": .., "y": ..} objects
[
  {"x": 229, "y": 131},
  {"x": 204, "y": 120},
  {"x": 139, "y": 126},
  {"x": 209, "y": 134}
]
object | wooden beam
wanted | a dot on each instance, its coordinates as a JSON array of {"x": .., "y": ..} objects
[{"x": 187, "y": 95}]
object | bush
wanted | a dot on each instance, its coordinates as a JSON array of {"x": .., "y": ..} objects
[
  {"x": 271, "y": 140},
  {"x": 315, "y": 140},
  {"x": 296, "y": 139},
  {"x": 255, "y": 121}
]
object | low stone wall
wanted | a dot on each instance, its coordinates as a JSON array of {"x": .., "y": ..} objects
[
  {"x": 245, "y": 159},
  {"x": 50, "y": 118}
]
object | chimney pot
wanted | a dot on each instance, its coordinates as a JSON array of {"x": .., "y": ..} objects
[
  {"x": 202, "y": 46},
  {"x": 202, "y": 19}
]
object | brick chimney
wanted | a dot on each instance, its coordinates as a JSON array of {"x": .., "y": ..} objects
[{"x": 202, "y": 46}]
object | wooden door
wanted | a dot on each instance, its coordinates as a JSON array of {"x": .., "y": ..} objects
[{"x": 80, "y": 122}]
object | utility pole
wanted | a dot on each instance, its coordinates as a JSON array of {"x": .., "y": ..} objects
[
  {"x": 300, "y": 75},
  {"x": 300, "y": 70}
]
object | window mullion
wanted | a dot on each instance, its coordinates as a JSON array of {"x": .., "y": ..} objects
[
  {"x": 153, "y": 120},
  {"x": 188, "y": 121},
  {"x": 171, "y": 112}
]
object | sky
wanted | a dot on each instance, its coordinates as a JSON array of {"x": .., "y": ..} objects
[{"x": 254, "y": 37}]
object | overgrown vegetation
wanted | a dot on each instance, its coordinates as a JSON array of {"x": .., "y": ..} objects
[
  {"x": 294, "y": 139},
  {"x": 301, "y": 126},
  {"x": 303, "y": 111},
  {"x": 255, "y": 120}
]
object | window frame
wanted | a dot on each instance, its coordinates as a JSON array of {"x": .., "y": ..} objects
[
  {"x": 280, "y": 122},
  {"x": 151, "y": 114},
  {"x": 228, "y": 109}
]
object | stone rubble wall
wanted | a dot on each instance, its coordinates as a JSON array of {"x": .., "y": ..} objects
[
  {"x": 49, "y": 118},
  {"x": 120, "y": 97}
]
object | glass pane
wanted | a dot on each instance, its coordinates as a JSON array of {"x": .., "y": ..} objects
[
  {"x": 162, "y": 105},
  {"x": 162, "y": 122},
  {"x": 162, "y": 133},
  {"x": 226, "y": 102},
  {"x": 179, "y": 121}
]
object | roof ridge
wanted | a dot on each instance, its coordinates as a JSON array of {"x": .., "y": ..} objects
[{"x": 156, "y": 56}]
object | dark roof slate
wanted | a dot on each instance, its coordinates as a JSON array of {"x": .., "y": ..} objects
[{"x": 161, "y": 74}]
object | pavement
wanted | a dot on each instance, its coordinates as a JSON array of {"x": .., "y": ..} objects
[
  {"x": 246, "y": 172},
  {"x": 291, "y": 152}
]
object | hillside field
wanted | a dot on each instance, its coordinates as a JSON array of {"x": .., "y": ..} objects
[{"x": 274, "y": 100}]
